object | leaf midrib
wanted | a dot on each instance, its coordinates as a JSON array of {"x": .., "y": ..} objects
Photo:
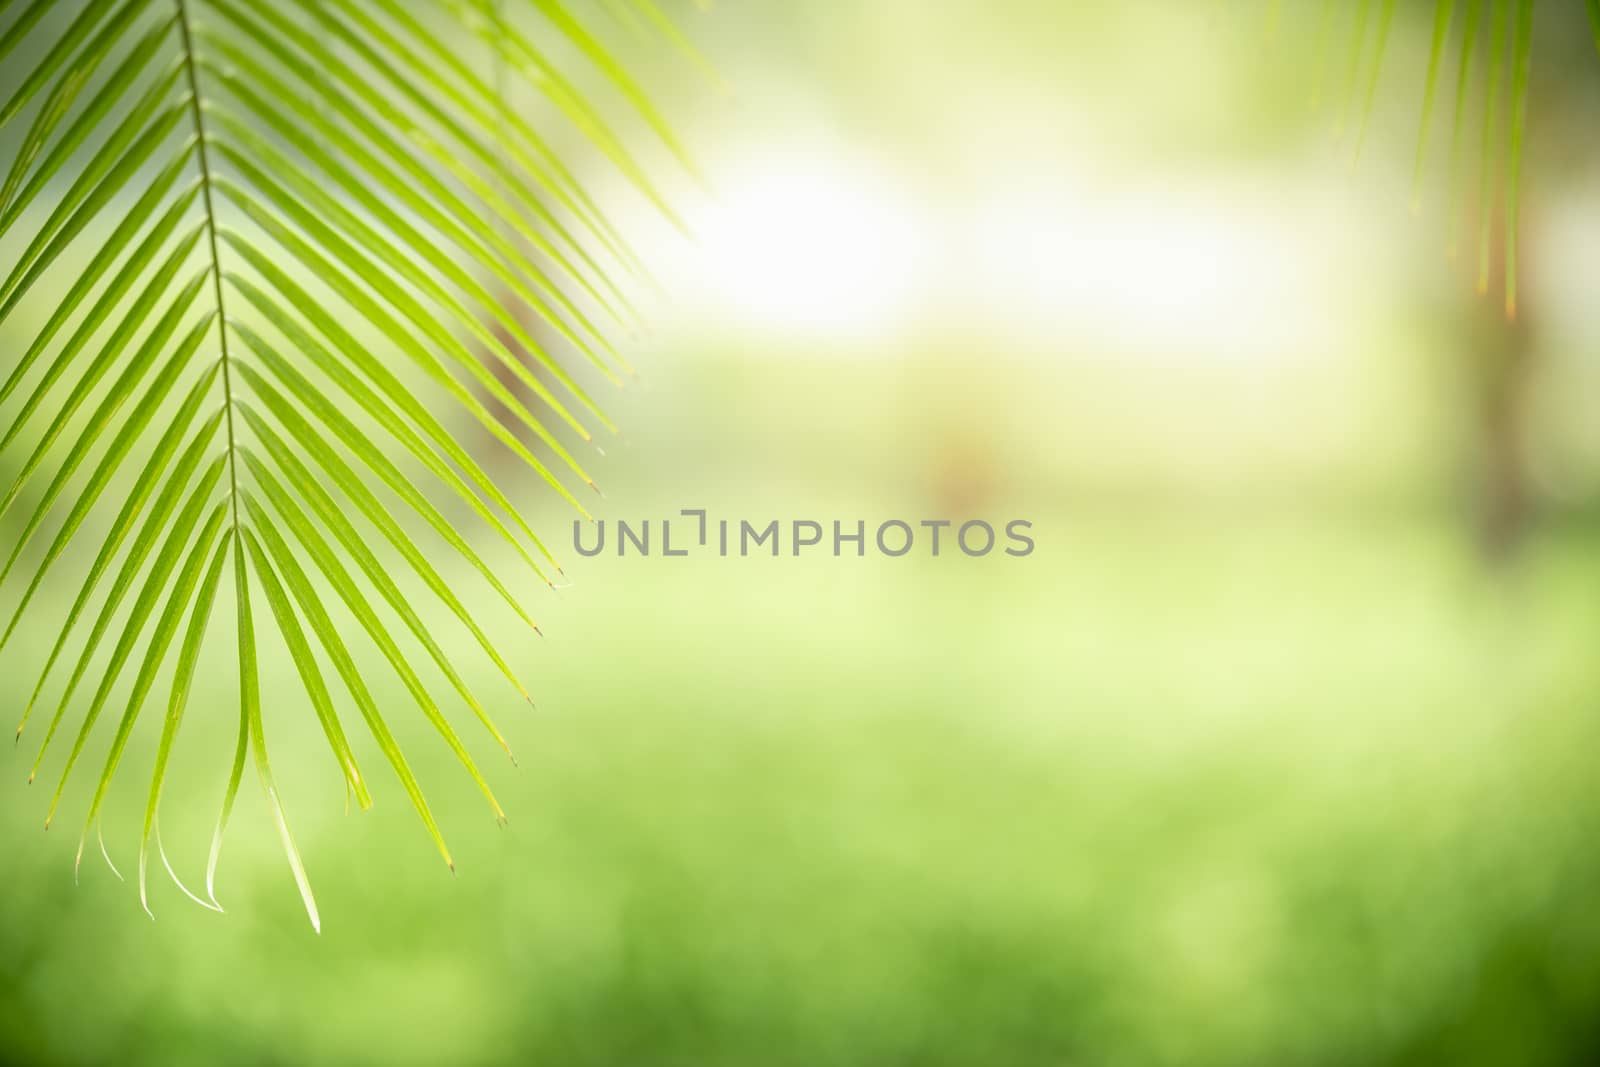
[{"x": 191, "y": 70}]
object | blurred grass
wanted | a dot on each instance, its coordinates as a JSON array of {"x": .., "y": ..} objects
[{"x": 1197, "y": 784}]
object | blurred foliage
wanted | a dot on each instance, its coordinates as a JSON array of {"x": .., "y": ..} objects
[
  {"x": 1254, "y": 762},
  {"x": 1201, "y": 783}
]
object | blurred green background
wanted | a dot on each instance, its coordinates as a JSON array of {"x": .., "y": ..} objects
[{"x": 1277, "y": 751}]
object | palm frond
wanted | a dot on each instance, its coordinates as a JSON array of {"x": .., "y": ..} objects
[
  {"x": 278, "y": 265},
  {"x": 1494, "y": 43}
]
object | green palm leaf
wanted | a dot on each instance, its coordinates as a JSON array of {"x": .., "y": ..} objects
[
  {"x": 317, "y": 222},
  {"x": 1494, "y": 44}
]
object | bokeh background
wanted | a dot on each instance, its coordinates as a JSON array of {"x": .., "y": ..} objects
[{"x": 1279, "y": 750}]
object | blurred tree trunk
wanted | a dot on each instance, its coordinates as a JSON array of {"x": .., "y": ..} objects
[
  {"x": 1504, "y": 506},
  {"x": 1505, "y": 351}
]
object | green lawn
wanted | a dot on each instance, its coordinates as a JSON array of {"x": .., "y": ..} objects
[{"x": 1185, "y": 788}]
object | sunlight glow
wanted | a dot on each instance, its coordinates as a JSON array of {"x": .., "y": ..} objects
[
  {"x": 1213, "y": 275},
  {"x": 817, "y": 243},
  {"x": 812, "y": 245}
]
